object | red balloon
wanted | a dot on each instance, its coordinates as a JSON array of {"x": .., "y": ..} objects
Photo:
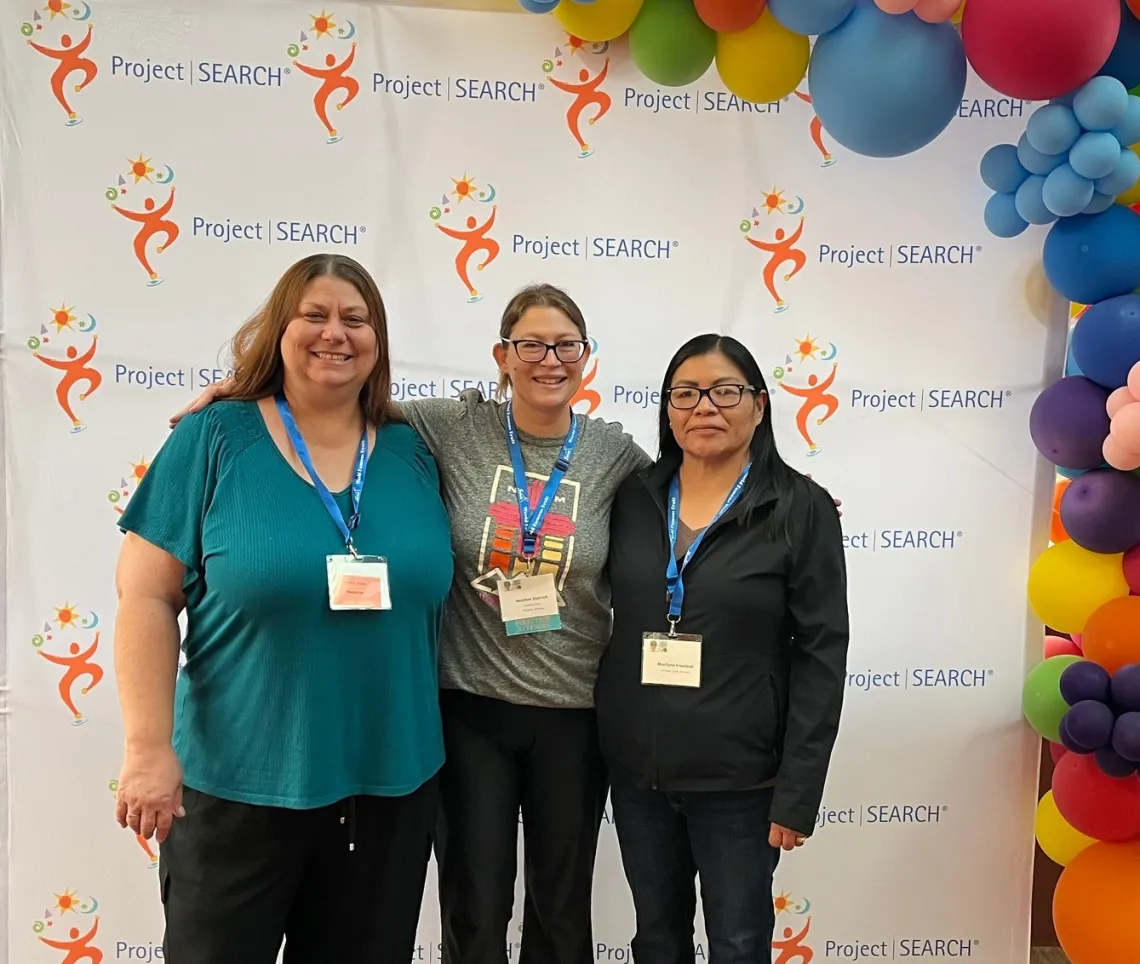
[
  {"x": 1038, "y": 49},
  {"x": 1132, "y": 561},
  {"x": 1056, "y": 751},
  {"x": 729, "y": 16},
  {"x": 1099, "y": 806}
]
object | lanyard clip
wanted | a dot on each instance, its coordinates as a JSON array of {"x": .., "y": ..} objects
[
  {"x": 352, "y": 549},
  {"x": 673, "y": 625}
]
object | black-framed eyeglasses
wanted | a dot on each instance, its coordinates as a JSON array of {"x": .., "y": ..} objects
[
  {"x": 529, "y": 350},
  {"x": 722, "y": 396}
]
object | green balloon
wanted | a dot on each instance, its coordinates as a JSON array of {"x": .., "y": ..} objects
[
  {"x": 1041, "y": 699},
  {"x": 670, "y": 43}
]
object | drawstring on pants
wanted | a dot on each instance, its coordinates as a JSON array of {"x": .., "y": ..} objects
[{"x": 349, "y": 817}]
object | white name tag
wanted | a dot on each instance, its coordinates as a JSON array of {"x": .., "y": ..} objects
[
  {"x": 529, "y": 604},
  {"x": 670, "y": 660},
  {"x": 358, "y": 582}
]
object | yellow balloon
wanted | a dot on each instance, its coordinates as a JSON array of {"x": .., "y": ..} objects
[
  {"x": 597, "y": 21},
  {"x": 762, "y": 63},
  {"x": 1067, "y": 584},
  {"x": 1056, "y": 837},
  {"x": 1132, "y": 195},
  {"x": 957, "y": 16}
]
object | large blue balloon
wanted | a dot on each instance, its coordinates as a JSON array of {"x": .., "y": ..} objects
[
  {"x": 885, "y": 85},
  {"x": 1106, "y": 340},
  {"x": 1124, "y": 61},
  {"x": 810, "y": 17},
  {"x": 1091, "y": 257}
]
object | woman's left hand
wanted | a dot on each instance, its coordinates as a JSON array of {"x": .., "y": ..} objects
[{"x": 785, "y": 839}]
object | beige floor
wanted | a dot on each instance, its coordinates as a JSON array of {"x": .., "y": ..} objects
[{"x": 1047, "y": 955}]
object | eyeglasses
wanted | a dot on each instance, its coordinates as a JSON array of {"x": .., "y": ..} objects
[
  {"x": 722, "y": 396},
  {"x": 536, "y": 351}
]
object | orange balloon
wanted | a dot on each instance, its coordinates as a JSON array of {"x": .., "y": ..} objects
[
  {"x": 1112, "y": 635},
  {"x": 1057, "y": 531},
  {"x": 1096, "y": 906}
]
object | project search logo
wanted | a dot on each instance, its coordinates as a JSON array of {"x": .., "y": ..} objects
[
  {"x": 587, "y": 66},
  {"x": 817, "y": 368},
  {"x": 777, "y": 240},
  {"x": 793, "y": 926},
  {"x": 69, "y": 641},
  {"x": 323, "y": 34},
  {"x": 68, "y": 52},
  {"x": 152, "y": 216},
  {"x": 73, "y": 336},
  {"x": 71, "y": 925},
  {"x": 587, "y": 396},
  {"x": 473, "y": 231}
]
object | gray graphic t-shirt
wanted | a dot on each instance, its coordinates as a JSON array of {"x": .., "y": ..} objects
[{"x": 553, "y": 669}]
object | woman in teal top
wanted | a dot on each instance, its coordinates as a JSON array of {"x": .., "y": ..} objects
[{"x": 289, "y": 769}]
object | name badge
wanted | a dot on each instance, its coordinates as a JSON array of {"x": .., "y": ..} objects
[
  {"x": 670, "y": 660},
  {"x": 358, "y": 582},
  {"x": 529, "y": 604}
]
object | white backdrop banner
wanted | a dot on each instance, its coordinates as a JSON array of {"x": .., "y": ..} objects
[{"x": 163, "y": 164}]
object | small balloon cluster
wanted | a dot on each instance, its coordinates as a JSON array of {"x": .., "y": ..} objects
[
  {"x": 1075, "y": 157},
  {"x": 1122, "y": 447},
  {"x": 1103, "y": 718},
  {"x": 931, "y": 11}
]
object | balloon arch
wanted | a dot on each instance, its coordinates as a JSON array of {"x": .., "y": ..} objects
[{"x": 886, "y": 77}]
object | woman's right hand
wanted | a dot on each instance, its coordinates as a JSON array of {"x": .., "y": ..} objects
[
  {"x": 150, "y": 792},
  {"x": 211, "y": 394}
]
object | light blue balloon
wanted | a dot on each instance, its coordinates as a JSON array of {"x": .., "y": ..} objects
[
  {"x": 1100, "y": 202},
  {"x": 539, "y": 6},
  {"x": 811, "y": 17},
  {"x": 1001, "y": 217},
  {"x": 886, "y": 85},
  {"x": 1101, "y": 104},
  {"x": 1123, "y": 177},
  {"x": 1001, "y": 170},
  {"x": 1095, "y": 155},
  {"x": 1071, "y": 366},
  {"x": 1053, "y": 129},
  {"x": 1128, "y": 130},
  {"x": 1034, "y": 161},
  {"x": 1065, "y": 192},
  {"x": 1070, "y": 473},
  {"x": 1029, "y": 202}
]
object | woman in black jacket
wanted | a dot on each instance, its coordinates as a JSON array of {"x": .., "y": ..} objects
[{"x": 720, "y": 693}]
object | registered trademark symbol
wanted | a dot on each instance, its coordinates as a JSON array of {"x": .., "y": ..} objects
[
  {"x": 959, "y": 532},
  {"x": 976, "y": 942},
  {"x": 944, "y": 808},
  {"x": 542, "y": 86},
  {"x": 1008, "y": 393},
  {"x": 977, "y": 247},
  {"x": 675, "y": 243},
  {"x": 288, "y": 70},
  {"x": 989, "y": 672},
  {"x": 363, "y": 228}
]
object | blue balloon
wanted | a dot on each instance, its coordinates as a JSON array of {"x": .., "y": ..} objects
[
  {"x": 811, "y": 17},
  {"x": 1053, "y": 129},
  {"x": 1034, "y": 161},
  {"x": 1002, "y": 171},
  {"x": 1071, "y": 473},
  {"x": 1106, "y": 340},
  {"x": 1091, "y": 257},
  {"x": 1100, "y": 202},
  {"x": 1065, "y": 192},
  {"x": 1072, "y": 368},
  {"x": 539, "y": 6},
  {"x": 1124, "y": 61},
  {"x": 1095, "y": 155},
  {"x": 886, "y": 85},
  {"x": 1031, "y": 204},
  {"x": 1123, "y": 177},
  {"x": 1128, "y": 130},
  {"x": 1001, "y": 217},
  {"x": 1101, "y": 104}
]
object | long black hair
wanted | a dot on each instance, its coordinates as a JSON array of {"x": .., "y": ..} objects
[{"x": 769, "y": 470}]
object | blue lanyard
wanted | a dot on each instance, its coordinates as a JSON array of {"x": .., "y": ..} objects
[
  {"x": 674, "y": 585},
  {"x": 534, "y": 515},
  {"x": 322, "y": 489}
]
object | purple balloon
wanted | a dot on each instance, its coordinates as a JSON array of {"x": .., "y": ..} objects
[
  {"x": 1126, "y": 689},
  {"x": 1089, "y": 725},
  {"x": 1113, "y": 764},
  {"x": 1126, "y": 736},
  {"x": 1069, "y": 423},
  {"x": 1069, "y": 743},
  {"x": 1100, "y": 511},
  {"x": 1085, "y": 680}
]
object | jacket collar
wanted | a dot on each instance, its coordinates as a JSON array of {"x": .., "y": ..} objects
[{"x": 658, "y": 476}]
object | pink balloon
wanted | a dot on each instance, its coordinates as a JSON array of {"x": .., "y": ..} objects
[
  {"x": 1134, "y": 381},
  {"x": 936, "y": 11},
  {"x": 1118, "y": 456},
  {"x": 1125, "y": 427},
  {"x": 1057, "y": 750},
  {"x": 1118, "y": 399},
  {"x": 1077, "y": 642},
  {"x": 1059, "y": 646},
  {"x": 1132, "y": 569},
  {"x": 896, "y": 6}
]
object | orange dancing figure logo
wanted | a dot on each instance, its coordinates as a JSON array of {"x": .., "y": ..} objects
[
  {"x": 333, "y": 75},
  {"x": 474, "y": 234},
  {"x": 148, "y": 846},
  {"x": 585, "y": 393},
  {"x": 78, "y": 663},
  {"x": 79, "y": 946},
  {"x": 817, "y": 133},
  {"x": 127, "y": 485},
  {"x": 71, "y": 58},
  {"x": 782, "y": 249},
  {"x": 75, "y": 366},
  {"x": 587, "y": 90},
  {"x": 152, "y": 219},
  {"x": 791, "y": 946},
  {"x": 816, "y": 394}
]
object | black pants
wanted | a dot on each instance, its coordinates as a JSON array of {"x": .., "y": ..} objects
[
  {"x": 501, "y": 757},
  {"x": 238, "y": 879},
  {"x": 667, "y": 840}
]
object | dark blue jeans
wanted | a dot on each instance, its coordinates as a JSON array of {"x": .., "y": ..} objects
[{"x": 666, "y": 840}]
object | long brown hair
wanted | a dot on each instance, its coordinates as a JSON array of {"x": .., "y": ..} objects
[
  {"x": 539, "y": 295},
  {"x": 258, "y": 369}
]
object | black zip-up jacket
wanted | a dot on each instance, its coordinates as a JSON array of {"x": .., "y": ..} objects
[{"x": 773, "y": 617}]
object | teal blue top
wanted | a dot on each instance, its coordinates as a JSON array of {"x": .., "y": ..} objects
[{"x": 282, "y": 701}]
